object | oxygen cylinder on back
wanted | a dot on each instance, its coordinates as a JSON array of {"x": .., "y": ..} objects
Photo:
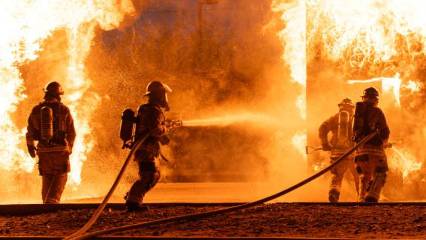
[
  {"x": 46, "y": 120},
  {"x": 127, "y": 126},
  {"x": 359, "y": 121},
  {"x": 344, "y": 129}
]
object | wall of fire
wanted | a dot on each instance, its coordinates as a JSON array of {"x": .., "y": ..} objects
[{"x": 222, "y": 57}]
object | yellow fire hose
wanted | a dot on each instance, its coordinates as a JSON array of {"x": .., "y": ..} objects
[
  {"x": 192, "y": 217},
  {"x": 101, "y": 207}
]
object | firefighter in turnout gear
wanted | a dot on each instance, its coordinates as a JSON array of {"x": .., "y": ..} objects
[
  {"x": 340, "y": 125},
  {"x": 370, "y": 159},
  {"x": 151, "y": 121},
  {"x": 50, "y": 124}
]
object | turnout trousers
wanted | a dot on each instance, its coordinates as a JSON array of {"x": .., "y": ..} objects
[
  {"x": 53, "y": 168},
  {"x": 373, "y": 169},
  {"x": 337, "y": 174},
  {"x": 149, "y": 174}
]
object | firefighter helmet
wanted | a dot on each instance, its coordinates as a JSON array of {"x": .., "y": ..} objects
[
  {"x": 157, "y": 93},
  {"x": 157, "y": 88},
  {"x": 346, "y": 103},
  {"x": 371, "y": 92},
  {"x": 54, "y": 89}
]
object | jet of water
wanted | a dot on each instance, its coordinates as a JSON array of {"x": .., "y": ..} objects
[{"x": 232, "y": 119}]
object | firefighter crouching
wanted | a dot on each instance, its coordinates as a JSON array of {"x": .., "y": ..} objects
[
  {"x": 370, "y": 159},
  {"x": 150, "y": 120},
  {"x": 50, "y": 124},
  {"x": 340, "y": 125}
]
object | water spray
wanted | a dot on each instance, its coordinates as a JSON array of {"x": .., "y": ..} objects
[{"x": 231, "y": 119}]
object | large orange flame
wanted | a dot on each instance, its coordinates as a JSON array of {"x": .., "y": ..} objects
[
  {"x": 378, "y": 38},
  {"x": 357, "y": 34},
  {"x": 369, "y": 29},
  {"x": 293, "y": 36},
  {"x": 405, "y": 161},
  {"x": 23, "y": 27},
  {"x": 388, "y": 84}
]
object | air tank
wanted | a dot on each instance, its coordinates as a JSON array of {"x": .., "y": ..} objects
[
  {"x": 127, "y": 125},
  {"x": 46, "y": 128}
]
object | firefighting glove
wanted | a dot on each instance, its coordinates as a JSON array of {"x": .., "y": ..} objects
[{"x": 32, "y": 150}]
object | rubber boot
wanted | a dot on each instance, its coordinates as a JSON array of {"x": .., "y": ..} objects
[
  {"x": 370, "y": 199},
  {"x": 135, "y": 207},
  {"x": 376, "y": 187},
  {"x": 333, "y": 196}
]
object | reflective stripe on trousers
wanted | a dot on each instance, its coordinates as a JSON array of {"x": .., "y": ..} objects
[{"x": 372, "y": 169}]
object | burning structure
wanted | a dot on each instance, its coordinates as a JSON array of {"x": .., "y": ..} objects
[{"x": 257, "y": 74}]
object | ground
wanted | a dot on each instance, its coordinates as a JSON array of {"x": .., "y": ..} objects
[{"x": 269, "y": 220}]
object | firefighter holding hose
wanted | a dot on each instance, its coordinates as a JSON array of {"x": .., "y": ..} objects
[
  {"x": 340, "y": 126},
  {"x": 151, "y": 127},
  {"x": 370, "y": 159},
  {"x": 51, "y": 125}
]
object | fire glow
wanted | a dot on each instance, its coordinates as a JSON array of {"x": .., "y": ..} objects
[
  {"x": 299, "y": 142},
  {"x": 370, "y": 29},
  {"x": 374, "y": 38},
  {"x": 358, "y": 33},
  {"x": 293, "y": 38},
  {"x": 406, "y": 162},
  {"x": 388, "y": 84},
  {"x": 24, "y": 25}
]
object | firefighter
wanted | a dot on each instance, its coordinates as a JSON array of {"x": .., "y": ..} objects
[
  {"x": 340, "y": 126},
  {"x": 51, "y": 125},
  {"x": 151, "y": 121},
  {"x": 370, "y": 159}
]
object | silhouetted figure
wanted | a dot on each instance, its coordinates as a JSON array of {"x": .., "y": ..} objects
[{"x": 51, "y": 125}]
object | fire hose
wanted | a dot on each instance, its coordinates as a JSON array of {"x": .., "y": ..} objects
[
  {"x": 101, "y": 207},
  {"x": 192, "y": 217}
]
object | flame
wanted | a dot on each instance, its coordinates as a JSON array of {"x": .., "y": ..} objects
[
  {"x": 299, "y": 141},
  {"x": 293, "y": 37},
  {"x": 364, "y": 34},
  {"x": 389, "y": 84},
  {"x": 24, "y": 25},
  {"x": 405, "y": 161},
  {"x": 367, "y": 31},
  {"x": 392, "y": 84},
  {"x": 372, "y": 38},
  {"x": 413, "y": 86}
]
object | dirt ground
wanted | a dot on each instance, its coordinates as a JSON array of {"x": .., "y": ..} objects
[{"x": 270, "y": 220}]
